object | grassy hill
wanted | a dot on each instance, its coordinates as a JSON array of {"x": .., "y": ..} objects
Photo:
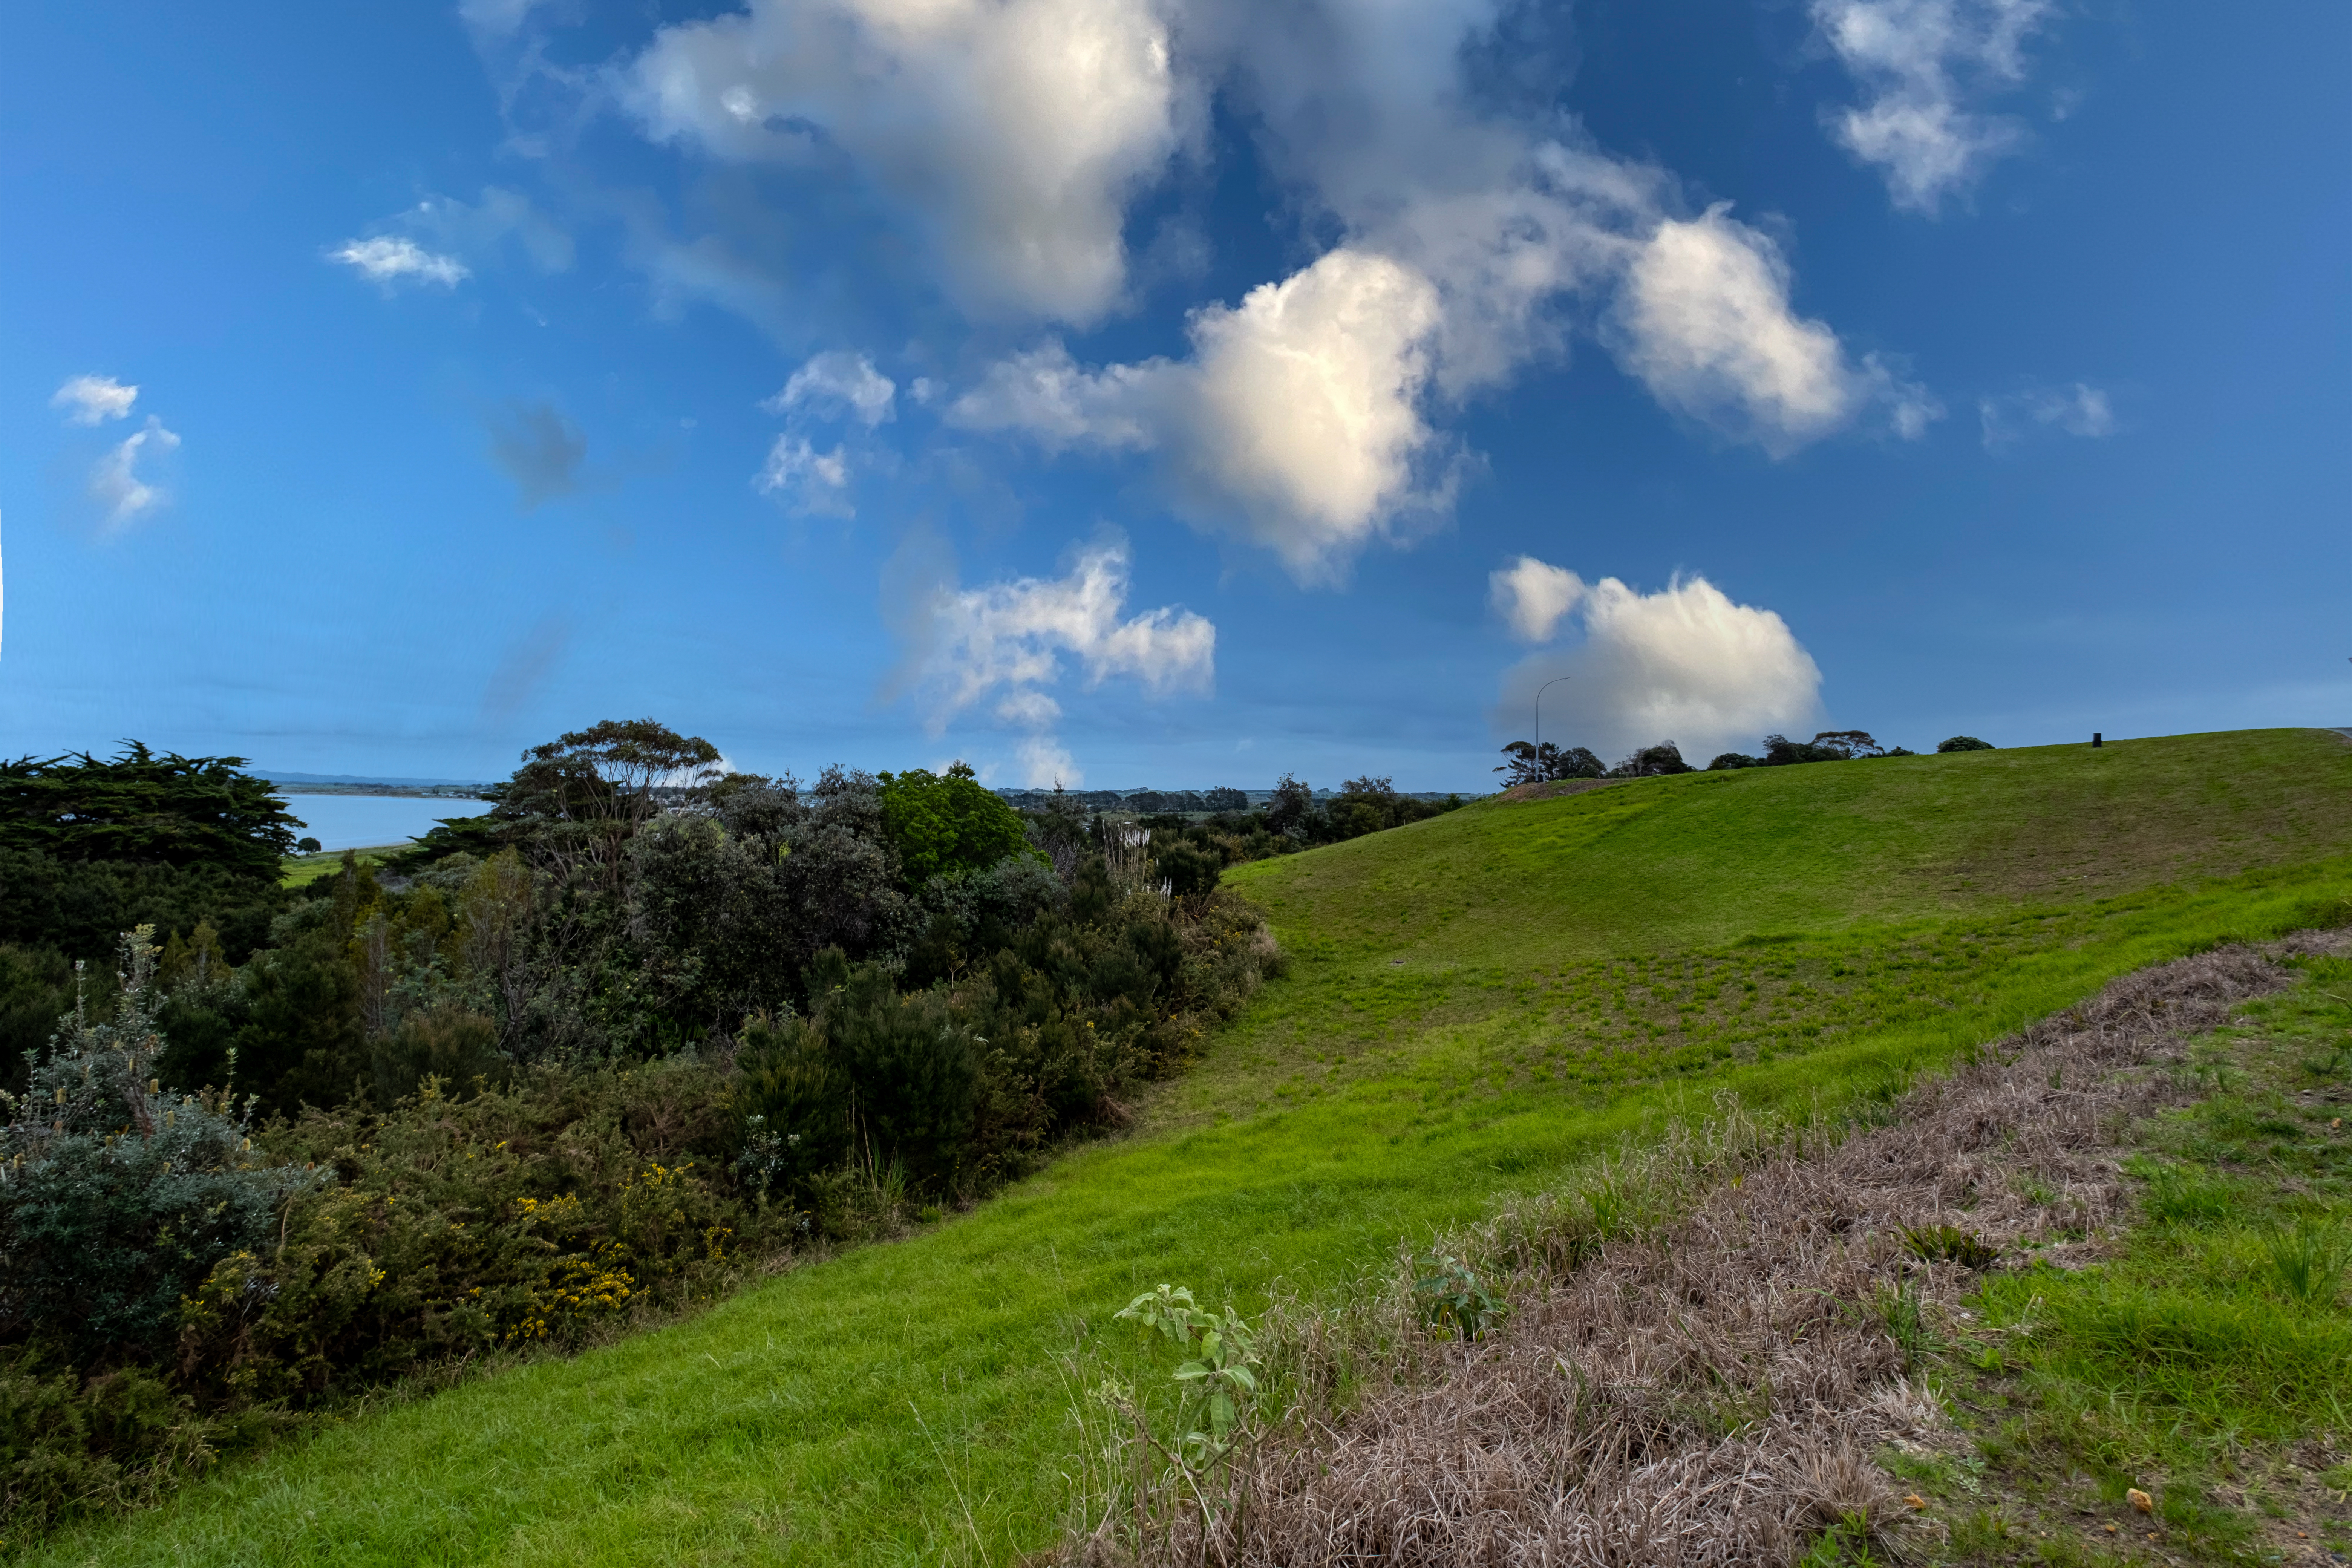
[{"x": 1475, "y": 1001}]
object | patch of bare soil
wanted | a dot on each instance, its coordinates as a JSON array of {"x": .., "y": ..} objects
[{"x": 1707, "y": 1389}]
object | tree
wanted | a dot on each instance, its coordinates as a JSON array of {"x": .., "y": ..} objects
[
  {"x": 578, "y": 798},
  {"x": 610, "y": 772},
  {"x": 949, "y": 826},
  {"x": 143, "y": 809},
  {"x": 1542, "y": 764},
  {"x": 1293, "y": 803},
  {"x": 1849, "y": 743},
  {"x": 1782, "y": 752},
  {"x": 1964, "y": 743},
  {"x": 1224, "y": 798},
  {"x": 1651, "y": 761}
]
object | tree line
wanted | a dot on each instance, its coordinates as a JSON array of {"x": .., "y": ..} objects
[{"x": 1526, "y": 762}]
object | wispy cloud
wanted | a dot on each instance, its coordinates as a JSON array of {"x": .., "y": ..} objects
[
  {"x": 804, "y": 479},
  {"x": 835, "y": 386},
  {"x": 2080, "y": 409},
  {"x": 115, "y": 484},
  {"x": 1923, "y": 65},
  {"x": 1003, "y": 646},
  {"x": 391, "y": 259},
  {"x": 834, "y": 381},
  {"x": 94, "y": 399}
]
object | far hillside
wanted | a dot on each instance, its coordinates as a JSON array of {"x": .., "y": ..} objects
[
  {"x": 1445, "y": 922},
  {"x": 1708, "y": 857}
]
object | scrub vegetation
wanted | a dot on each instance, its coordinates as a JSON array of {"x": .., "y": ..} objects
[{"x": 1479, "y": 1006}]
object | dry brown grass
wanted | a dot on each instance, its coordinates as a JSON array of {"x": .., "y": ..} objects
[{"x": 1706, "y": 1339}]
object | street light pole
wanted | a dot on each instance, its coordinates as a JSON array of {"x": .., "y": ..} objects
[{"x": 1547, "y": 686}]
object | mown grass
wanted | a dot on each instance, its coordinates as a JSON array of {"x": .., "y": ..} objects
[
  {"x": 2208, "y": 1360},
  {"x": 907, "y": 1403}
]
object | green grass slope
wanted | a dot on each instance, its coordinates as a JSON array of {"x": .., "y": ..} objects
[
  {"x": 1572, "y": 972},
  {"x": 1414, "y": 937}
]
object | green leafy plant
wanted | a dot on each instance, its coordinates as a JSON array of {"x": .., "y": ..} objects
[
  {"x": 1219, "y": 1380},
  {"x": 1452, "y": 1299}
]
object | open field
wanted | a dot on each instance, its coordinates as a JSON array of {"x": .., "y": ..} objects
[
  {"x": 301, "y": 870},
  {"x": 1476, "y": 1001}
]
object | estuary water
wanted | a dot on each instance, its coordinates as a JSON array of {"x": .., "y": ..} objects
[{"x": 365, "y": 821}]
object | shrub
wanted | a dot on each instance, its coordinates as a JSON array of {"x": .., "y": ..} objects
[
  {"x": 1963, "y": 744},
  {"x": 1188, "y": 869},
  {"x": 1726, "y": 760},
  {"x": 116, "y": 1200}
]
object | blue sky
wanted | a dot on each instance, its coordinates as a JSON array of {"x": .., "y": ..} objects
[{"x": 1170, "y": 392}]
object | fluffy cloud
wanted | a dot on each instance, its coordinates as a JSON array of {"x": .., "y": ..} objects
[
  {"x": 115, "y": 484},
  {"x": 1531, "y": 597},
  {"x": 2081, "y": 409},
  {"x": 1473, "y": 232},
  {"x": 1001, "y": 646},
  {"x": 1296, "y": 421},
  {"x": 1015, "y": 129},
  {"x": 1685, "y": 664},
  {"x": 836, "y": 381},
  {"x": 1921, "y": 62},
  {"x": 1706, "y": 322},
  {"x": 94, "y": 399},
  {"x": 389, "y": 259}
]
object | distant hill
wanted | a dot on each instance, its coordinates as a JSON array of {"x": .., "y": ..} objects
[{"x": 277, "y": 776}]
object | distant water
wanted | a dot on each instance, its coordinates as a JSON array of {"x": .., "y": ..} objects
[{"x": 364, "y": 821}]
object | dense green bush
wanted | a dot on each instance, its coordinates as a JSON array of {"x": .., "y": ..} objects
[
  {"x": 949, "y": 826},
  {"x": 585, "y": 1059},
  {"x": 1963, "y": 744}
]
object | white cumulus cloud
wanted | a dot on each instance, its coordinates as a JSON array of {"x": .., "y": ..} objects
[
  {"x": 1706, "y": 322},
  {"x": 1016, "y": 130},
  {"x": 1470, "y": 232},
  {"x": 1922, "y": 64},
  {"x": 1531, "y": 597},
  {"x": 115, "y": 484},
  {"x": 837, "y": 380},
  {"x": 1005, "y": 644},
  {"x": 390, "y": 259},
  {"x": 1296, "y": 422},
  {"x": 1685, "y": 664},
  {"x": 94, "y": 399}
]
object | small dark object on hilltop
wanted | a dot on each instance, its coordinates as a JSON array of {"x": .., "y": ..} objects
[{"x": 1964, "y": 743}]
